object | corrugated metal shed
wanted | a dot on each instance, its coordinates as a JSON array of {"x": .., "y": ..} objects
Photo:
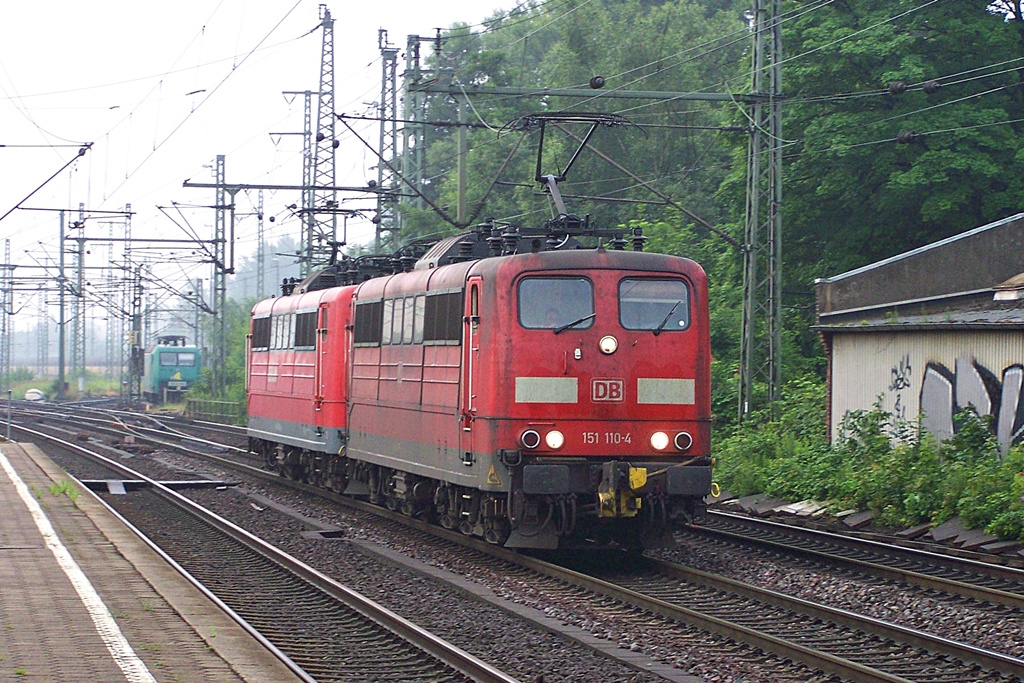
[{"x": 928, "y": 332}]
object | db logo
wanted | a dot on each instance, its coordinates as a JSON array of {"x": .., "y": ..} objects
[{"x": 606, "y": 389}]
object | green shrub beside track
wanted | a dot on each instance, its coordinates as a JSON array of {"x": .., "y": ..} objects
[{"x": 916, "y": 480}]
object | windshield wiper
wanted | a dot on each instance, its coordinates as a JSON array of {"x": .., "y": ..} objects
[
  {"x": 664, "y": 322},
  {"x": 584, "y": 319}
]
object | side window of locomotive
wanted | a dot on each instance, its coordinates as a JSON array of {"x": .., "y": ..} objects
[
  {"x": 368, "y": 323},
  {"x": 261, "y": 334},
  {"x": 305, "y": 330},
  {"x": 187, "y": 360},
  {"x": 387, "y": 316},
  {"x": 548, "y": 303},
  {"x": 396, "y": 327},
  {"x": 275, "y": 332},
  {"x": 168, "y": 359},
  {"x": 408, "y": 322},
  {"x": 656, "y": 305},
  {"x": 442, "y": 318},
  {"x": 283, "y": 331},
  {"x": 418, "y": 318}
]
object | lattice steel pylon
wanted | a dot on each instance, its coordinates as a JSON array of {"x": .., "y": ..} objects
[
  {"x": 413, "y": 138},
  {"x": 261, "y": 254},
  {"x": 113, "y": 340},
  {"x": 387, "y": 150},
  {"x": 761, "y": 336},
  {"x": 127, "y": 292},
  {"x": 6, "y": 319},
  {"x": 220, "y": 280},
  {"x": 43, "y": 336},
  {"x": 321, "y": 211},
  {"x": 78, "y": 303}
]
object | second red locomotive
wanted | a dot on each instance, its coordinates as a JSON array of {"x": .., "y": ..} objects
[{"x": 547, "y": 399}]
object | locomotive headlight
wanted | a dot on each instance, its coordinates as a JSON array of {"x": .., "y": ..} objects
[
  {"x": 554, "y": 439},
  {"x": 683, "y": 441},
  {"x": 608, "y": 345},
  {"x": 530, "y": 439},
  {"x": 659, "y": 441}
]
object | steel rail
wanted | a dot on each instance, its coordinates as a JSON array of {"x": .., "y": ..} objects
[
  {"x": 452, "y": 656},
  {"x": 824, "y": 661},
  {"x": 918, "y": 578},
  {"x": 232, "y": 614}
]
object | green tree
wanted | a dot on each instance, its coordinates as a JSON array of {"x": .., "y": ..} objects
[{"x": 900, "y": 118}]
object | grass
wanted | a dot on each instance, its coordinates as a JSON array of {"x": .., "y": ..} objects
[{"x": 66, "y": 488}]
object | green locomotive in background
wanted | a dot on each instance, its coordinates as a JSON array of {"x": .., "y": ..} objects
[{"x": 171, "y": 367}]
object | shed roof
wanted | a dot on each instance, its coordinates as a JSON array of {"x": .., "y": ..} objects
[{"x": 949, "y": 283}]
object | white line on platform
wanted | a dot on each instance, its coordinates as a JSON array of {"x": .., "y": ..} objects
[{"x": 120, "y": 649}]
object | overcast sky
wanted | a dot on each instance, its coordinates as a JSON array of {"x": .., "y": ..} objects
[{"x": 160, "y": 89}]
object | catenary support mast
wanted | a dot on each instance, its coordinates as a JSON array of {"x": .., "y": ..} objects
[{"x": 761, "y": 335}]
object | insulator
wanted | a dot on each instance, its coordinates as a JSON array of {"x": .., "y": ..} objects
[
  {"x": 638, "y": 239},
  {"x": 511, "y": 240},
  {"x": 494, "y": 241},
  {"x": 905, "y": 137},
  {"x": 897, "y": 87},
  {"x": 465, "y": 249},
  {"x": 931, "y": 87},
  {"x": 597, "y": 82}
]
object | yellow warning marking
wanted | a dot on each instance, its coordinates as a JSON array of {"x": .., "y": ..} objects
[{"x": 492, "y": 477}]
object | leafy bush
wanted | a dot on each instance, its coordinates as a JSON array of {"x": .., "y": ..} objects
[{"x": 905, "y": 480}]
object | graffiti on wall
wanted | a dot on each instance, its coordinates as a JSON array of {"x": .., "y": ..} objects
[
  {"x": 944, "y": 393},
  {"x": 899, "y": 381}
]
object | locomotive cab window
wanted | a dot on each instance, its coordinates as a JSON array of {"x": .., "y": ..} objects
[
  {"x": 187, "y": 360},
  {"x": 656, "y": 305},
  {"x": 168, "y": 359},
  {"x": 551, "y": 303}
]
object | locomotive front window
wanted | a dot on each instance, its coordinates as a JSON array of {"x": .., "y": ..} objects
[
  {"x": 656, "y": 305},
  {"x": 168, "y": 359},
  {"x": 187, "y": 359},
  {"x": 550, "y": 303}
]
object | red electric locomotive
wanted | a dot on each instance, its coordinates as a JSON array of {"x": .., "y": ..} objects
[
  {"x": 509, "y": 383},
  {"x": 541, "y": 400}
]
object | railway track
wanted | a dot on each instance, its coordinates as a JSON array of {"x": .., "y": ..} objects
[
  {"x": 987, "y": 582},
  {"x": 321, "y": 628},
  {"x": 834, "y": 641},
  {"x": 838, "y": 642},
  {"x": 983, "y": 581}
]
